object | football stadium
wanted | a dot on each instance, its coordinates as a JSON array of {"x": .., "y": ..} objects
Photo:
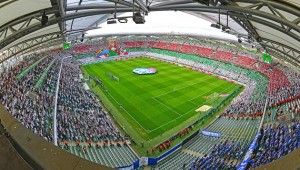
[{"x": 149, "y": 84}]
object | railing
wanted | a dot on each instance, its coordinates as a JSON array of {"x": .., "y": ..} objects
[
  {"x": 55, "y": 105},
  {"x": 36, "y": 151},
  {"x": 263, "y": 116},
  {"x": 253, "y": 146}
]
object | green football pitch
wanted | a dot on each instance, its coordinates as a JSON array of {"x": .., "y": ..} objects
[{"x": 154, "y": 104}]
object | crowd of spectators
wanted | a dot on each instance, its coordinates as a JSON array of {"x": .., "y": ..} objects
[
  {"x": 31, "y": 106},
  {"x": 276, "y": 141},
  {"x": 80, "y": 116},
  {"x": 229, "y": 150},
  {"x": 225, "y": 155},
  {"x": 210, "y": 163},
  {"x": 282, "y": 84},
  {"x": 288, "y": 91},
  {"x": 222, "y": 52},
  {"x": 249, "y": 103}
]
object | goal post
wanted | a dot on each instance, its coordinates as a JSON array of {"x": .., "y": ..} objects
[{"x": 113, "y": 76}]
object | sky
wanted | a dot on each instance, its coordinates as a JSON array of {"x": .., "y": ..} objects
[{"x": 164, "y": 22}]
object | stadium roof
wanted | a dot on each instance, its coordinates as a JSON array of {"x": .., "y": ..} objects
[
  {"x": 162, "y": 23},
  {"x": 273, "y": 24}
]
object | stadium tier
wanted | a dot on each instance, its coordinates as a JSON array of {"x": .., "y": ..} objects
[{"x": 98, "y": 109}]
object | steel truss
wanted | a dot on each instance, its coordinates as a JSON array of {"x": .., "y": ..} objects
[
  {"x": 29, "y": 44},
  {"x": 242, "y": 15}
]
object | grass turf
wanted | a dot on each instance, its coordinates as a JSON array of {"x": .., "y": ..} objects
[{"x": 155, "y": 104}]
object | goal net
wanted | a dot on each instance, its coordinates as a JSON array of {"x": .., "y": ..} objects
[{"x": 113, "y": 76}]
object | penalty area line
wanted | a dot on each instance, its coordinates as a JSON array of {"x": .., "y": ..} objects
[
  {"x": 184, "y": 113},
  {"x": 146, "y": 130},
  {"x": 166, "y": 106},
  {"x": 175, "y": 118}
]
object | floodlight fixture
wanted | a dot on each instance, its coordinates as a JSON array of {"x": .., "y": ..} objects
[
  {"x": 226, "y": 29},
  {"x": 216, "y": 26},
  {"x": 122, "y": 20},
  {"x": 204, "y": 2},
  {"x": 111, "y": 21},
  {"x": 138, "y": 18},
  {"x": 44, "y": 19}
]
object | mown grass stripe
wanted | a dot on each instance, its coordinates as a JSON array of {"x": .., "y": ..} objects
[{"x": 135, "y": 93}]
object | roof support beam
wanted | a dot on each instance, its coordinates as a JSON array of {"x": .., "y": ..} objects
[
  {"x": 122, "y": 2},
  {"x": 100, "y": 20},
  {"x": 255, "y": 5},
  {"x": 296, "y": 21},
  {"x": 234, "y": 11},
  {"x": 85, "y": 7},
  {"x": 295, "y": 62},
  {"x": 282, "y": 5},
  {"x": 7, "y": 3},
  {"x": 170, "y": 7},
  {"x": 240, "y": 12},
  {"x": 33, "y": 15},
  {"x": 173, "y": 2},
  {"x": 231, "y": 9},
  {"x": 36, "y": 26},
  {"x": 247, "y": 26},
  {"x": 43, "y": 45},
  {"x": 3, "y": 1},
  {"x": 79, "y": 4},
  {"x": 280, "y": 44},
  {"x": 200, "y": 9},
  {"x": 62, "y": 14},
  {"x": 142, "y": 5},
  {"x": 275, "y": 12},
  {"x": 61, "y": 11},
  {"x": 29, "y": 43}
]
